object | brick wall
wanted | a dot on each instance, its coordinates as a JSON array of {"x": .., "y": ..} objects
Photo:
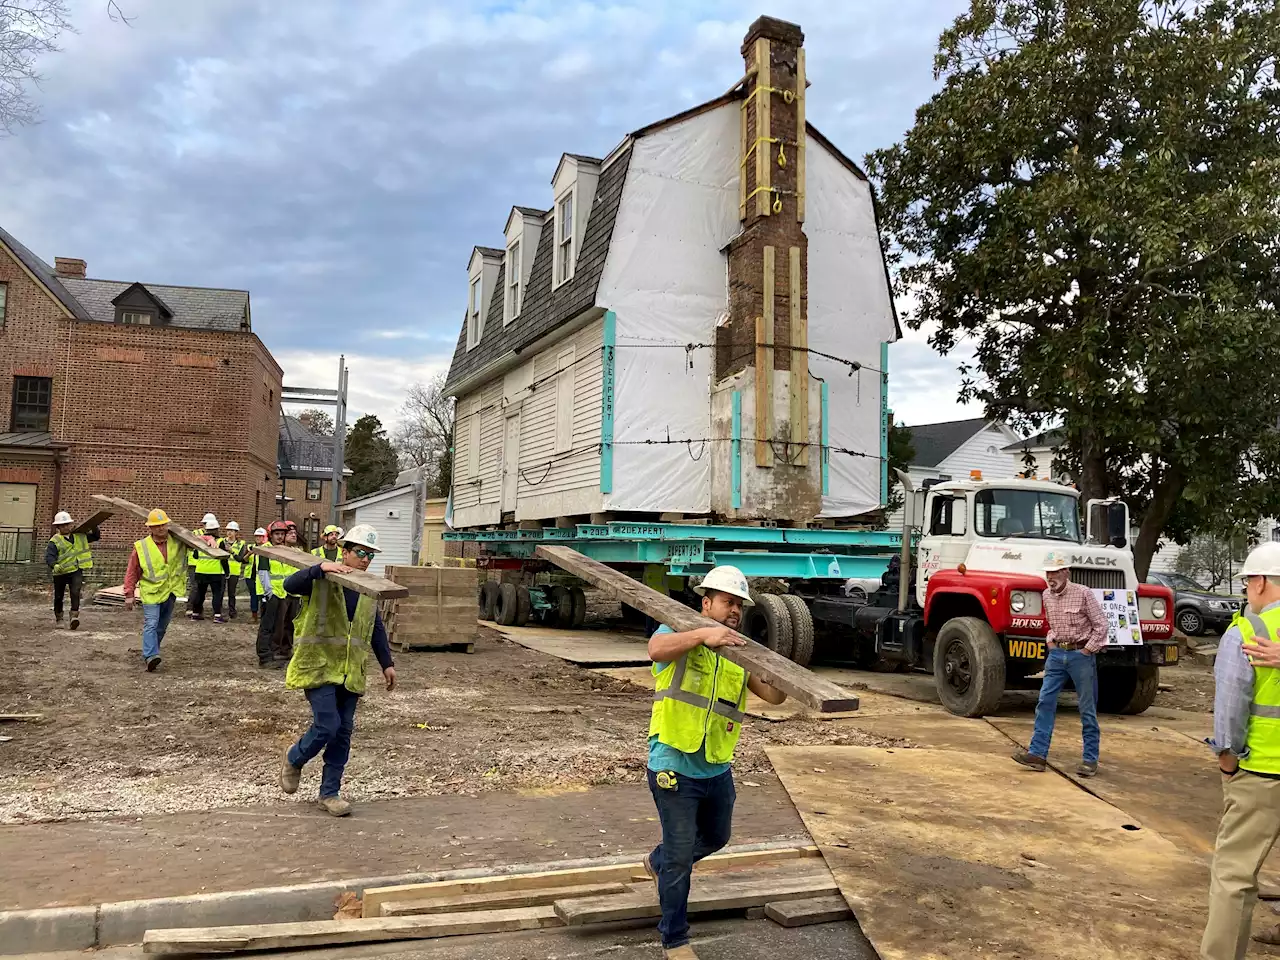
[
  {"x": 183, "y": 419},
  {"x": 301, "y": 508}
]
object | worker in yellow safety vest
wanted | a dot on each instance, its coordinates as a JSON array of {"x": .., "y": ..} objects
[
  {"x": 271, "y": 576},
  {"x": 698, "y": 709},
  {"x": 251, "y": 574},
  {"x": 336, "y": 631},
  {"x": 68, "y": 557},
  {"x": 157, "y": 568},
  {"x": 236, "y": 564},
  {"x": 329, "y": 548},
  {"x": 211, "y": 574}
]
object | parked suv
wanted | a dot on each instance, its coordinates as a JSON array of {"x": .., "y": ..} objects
[{"x": 1197, "y": 610}]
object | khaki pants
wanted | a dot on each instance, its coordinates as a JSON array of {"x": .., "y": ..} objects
[{"x": 1250, "y": 826}]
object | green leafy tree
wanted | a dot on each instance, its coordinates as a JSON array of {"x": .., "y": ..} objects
[
  {"x": 1091, "y": 200},
  {"x": 370, "y": 457}
]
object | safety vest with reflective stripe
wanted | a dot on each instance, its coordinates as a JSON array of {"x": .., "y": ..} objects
[
  {"x": 193, "y": 556},
  {"x": 699, "y": 699},
  {"x": 205, "y": 563},
  {"x": 239, "y": 555},
  {"x": 278, "y": 572},
  {"x": 320, "y": 552},
  {"x": 1263, "y": 739},
  {"x": 161, "y": 578},
  {"x": 73, "y": 553},
  {"x": 327, "y": 647}
]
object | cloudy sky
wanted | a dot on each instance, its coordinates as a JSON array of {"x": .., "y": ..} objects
[{"x": 340, "y": 159}]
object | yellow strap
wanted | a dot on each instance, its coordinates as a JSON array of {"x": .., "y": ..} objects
[
  {"x": 777, "y": 196},
  {"x": 788, "y": 96}
]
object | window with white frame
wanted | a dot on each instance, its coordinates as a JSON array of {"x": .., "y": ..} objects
[
  {"x": 473, "y": 440},
  {"x": 512, "y": 300},
  {"x": 475, "y": 330},
  {"x": 564, "y": 401},
  {"x": 564, "y": 238}
]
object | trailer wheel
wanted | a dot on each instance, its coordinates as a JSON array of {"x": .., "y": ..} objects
[
  {"x": 561, "y": 612},
  {"x": 1129, "y": 689},
  {"x": 524, "y": 606},
  {"x": 801, "y": 629},
  {"x": 489, "y": 591},
  {"x": 770, "y": 624},
  {"x": 579, "y": 607},
  {"x": 508, "y": 605},
  {"x": 968, "y": 667}
]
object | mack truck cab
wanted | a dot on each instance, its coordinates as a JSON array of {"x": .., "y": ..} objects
[{"x": 972, "y": 610}]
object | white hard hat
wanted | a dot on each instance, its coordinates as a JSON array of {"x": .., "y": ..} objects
[
  {"x": 233, "y": 526},
  {"x": 61, "y": 517},
  {"x": 362, "y": 535},
  {"x": 1263, "y": 561},
  {"x": 1055, "y": 561},
  {"x": 726, "y": 579},
  {"x": 260, "y": 532},
  {"x": 210, "y": 521}
]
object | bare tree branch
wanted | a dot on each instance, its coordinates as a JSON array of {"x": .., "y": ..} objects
[{"x": 29, "y": 29}]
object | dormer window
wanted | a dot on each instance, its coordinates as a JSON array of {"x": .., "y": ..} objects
[
  {"x": 133, "y": 316},
  {"x": 564, "y": 238},
  {"x": 475, "y": 327},
  {"x": 511, "y": 306}
]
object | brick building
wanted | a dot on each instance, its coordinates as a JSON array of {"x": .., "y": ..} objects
[
  {"x": 160, "y": 394},
  {"x": 306, "y": 479}
]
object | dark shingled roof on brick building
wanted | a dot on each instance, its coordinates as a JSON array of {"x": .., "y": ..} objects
[
  {"x": 45, "y": 274},
  {"x": 200, "y": 308},
  {"x": 543, "y": 309}
]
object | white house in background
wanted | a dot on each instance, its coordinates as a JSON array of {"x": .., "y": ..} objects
[
  {"x": 1035, "y": 455},
  {"x": 396, "y": 513},
  {"x": 953, "y": 450}
]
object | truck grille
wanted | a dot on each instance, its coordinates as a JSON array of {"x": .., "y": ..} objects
[{"x": 1098, "y": 579}]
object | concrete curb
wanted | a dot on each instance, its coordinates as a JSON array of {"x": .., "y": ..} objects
[{"x": 114, "y": 924}]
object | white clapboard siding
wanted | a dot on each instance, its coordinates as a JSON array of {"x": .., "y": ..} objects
[
  {"x": 490, "y": 487},
  {"x": 395, "y": 534},
  {"x": 983, "y": 451}
]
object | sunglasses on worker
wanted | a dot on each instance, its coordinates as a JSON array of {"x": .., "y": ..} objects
[{"x": 362, "y": 553}]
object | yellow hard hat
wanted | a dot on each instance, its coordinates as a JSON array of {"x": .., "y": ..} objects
[
  {"x": 157, "y": 517},
  {"x": 332, "y": 529}
]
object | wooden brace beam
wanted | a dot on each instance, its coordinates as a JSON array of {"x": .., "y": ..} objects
[
  {"x": 180, "y": 533},
  {"x": 377, "y": 587}
]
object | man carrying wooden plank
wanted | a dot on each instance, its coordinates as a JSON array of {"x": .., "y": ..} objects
[
  {"x": 238, "y": 547},
  {"x": 272, "y": 652},
  {"x": 337, "y": 629},
  {"x": 251, "y": 574},
  {"x": 698, "y": 711},
  {"x": 158, "y": 571},
  {"x": 211, "y": 574},
  {"x": 68, "y": 556}
]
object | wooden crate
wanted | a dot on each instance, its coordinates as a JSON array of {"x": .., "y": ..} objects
[{"x": 440, "y": 611}]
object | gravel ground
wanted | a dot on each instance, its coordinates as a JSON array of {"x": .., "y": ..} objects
[{"x": 207, "y": 730}]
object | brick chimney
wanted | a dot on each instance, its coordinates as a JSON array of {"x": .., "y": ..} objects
[
  {"x": 69, "y": 267},
  {"x": 768, "y": 283}
]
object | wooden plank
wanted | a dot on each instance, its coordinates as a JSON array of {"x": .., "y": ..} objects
[
  {"x": 764, "y": 368},
  {"x": 180, "y": 533},
  {"x": 799, "y": 379},
  {"x": 791, "y": 678},
  {"x": 375, "y": 897},
  {"x": 499, "y": 899},
  {"x": 319, "y": 933},
  {"x": 804, "y": 913},
  {"x": 742, "y": 168},
  {"x": 706, "y": 895},
  {"x": 20, "y": 717},
  {"x": 97, "y": 520},
  {"x": 801, "y": 131},
  {"x": 764, "y": 104},
  {"x": 359, "y": 581}
]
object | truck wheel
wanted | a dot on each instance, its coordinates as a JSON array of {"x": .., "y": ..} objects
[
  {"x": 489, "y": 591},
  {"x": 561, "y": 612},
  {"x": 508, "y": 604},
  {"x": 579, "y": 607},
  {"x": 968, "y": 667},
  {"x": 771, "y": 624},
  {"x": 1128, "y": 689},
  {"x": 1190, "y": 621},
  {"x": 524, "y": 606},
  {"x": 801, "y": 629}
]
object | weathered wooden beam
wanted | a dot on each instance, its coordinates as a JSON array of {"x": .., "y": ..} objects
[
  {"x": 799, "y": 379},
  {"x": 801, "y": 83},
  {"x": 180, "y": 533},
  {"x": 764, "y": 365},
  {"x": 377, "y": 587},
  {"x": 764, "y": 104},
  {"x": 777, "y": 671},
  {"x": 94, "y": 522}
]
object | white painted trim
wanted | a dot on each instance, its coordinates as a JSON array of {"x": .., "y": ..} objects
[
  {"x": 510, "y": 306},
  {"x": 558, "y": 239}
]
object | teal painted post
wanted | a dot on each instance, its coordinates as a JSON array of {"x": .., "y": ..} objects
[
  {"x": 736, "y": 447},
  {"x": 826, "y": 444},
  {"x": 884, "y": 423},
  {"x": 609, "y": 360}
]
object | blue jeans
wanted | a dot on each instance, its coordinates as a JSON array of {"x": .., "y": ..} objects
[
  {"x": 155, "y": 622},
  {"x": 333, "y": 718},
  {"x": 696, "y": 819},
  {"x": 1083, "y": 671}
]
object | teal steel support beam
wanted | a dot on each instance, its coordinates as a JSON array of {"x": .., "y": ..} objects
[
  {"x": 609, "y": 359},
  {"x": 826, "y": 443},
  {"x": 791, "y": 566},
  {"x": 736, "y": 448},
  {"x": 884, "y": 423}
]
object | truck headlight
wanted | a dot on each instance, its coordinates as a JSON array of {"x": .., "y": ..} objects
[
  {"x": 1158, "y": 608},
  {"x": 1017, "y": 601}
]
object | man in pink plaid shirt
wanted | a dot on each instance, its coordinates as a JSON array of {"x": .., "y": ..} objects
[{"x": 1077, "y": 631}]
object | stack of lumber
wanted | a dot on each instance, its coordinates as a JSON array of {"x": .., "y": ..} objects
[
  {"x": 789, "y": 884},
  {"x": 113, "y": 596},
  {"x": 439, "y": 612}
]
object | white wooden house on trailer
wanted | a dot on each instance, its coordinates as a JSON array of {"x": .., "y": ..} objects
[{"x": 696, "y": 324}]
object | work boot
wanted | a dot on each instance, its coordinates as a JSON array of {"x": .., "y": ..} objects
[
  {"x": 290, "y": 776},
  {"x": 219, "y": 618},
  {"x": 1030, "y": 760},
  {"x": 1086, "y": 769},
  {"x": 75, "y": 620},
  {"x": 255, "y": 618},
  {"x": 680, "y": 953},
  {"x": 57, "y": 619},
  {"x": 648, "y": 868},
  {"x": 337, "y": 807},
  {"x": 1271, "y": 935},
  {"x": 153, "y": 664}
]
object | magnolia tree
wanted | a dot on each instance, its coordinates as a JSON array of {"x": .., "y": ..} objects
[{"x": 1091, "y": 200}]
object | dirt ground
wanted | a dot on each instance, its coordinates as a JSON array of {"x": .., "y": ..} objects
[{"x": 207, "y": 731}]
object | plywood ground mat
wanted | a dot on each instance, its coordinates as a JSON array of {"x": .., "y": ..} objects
[
  {"x": 954, "y": 854},
  {"x": 583, "y": 647}
]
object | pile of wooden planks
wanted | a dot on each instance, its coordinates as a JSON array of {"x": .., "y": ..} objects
[
  {"x": 439, "y": 612},
  {"x": 792, "y": 885},
  {"x": 112, "y": 596}
]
